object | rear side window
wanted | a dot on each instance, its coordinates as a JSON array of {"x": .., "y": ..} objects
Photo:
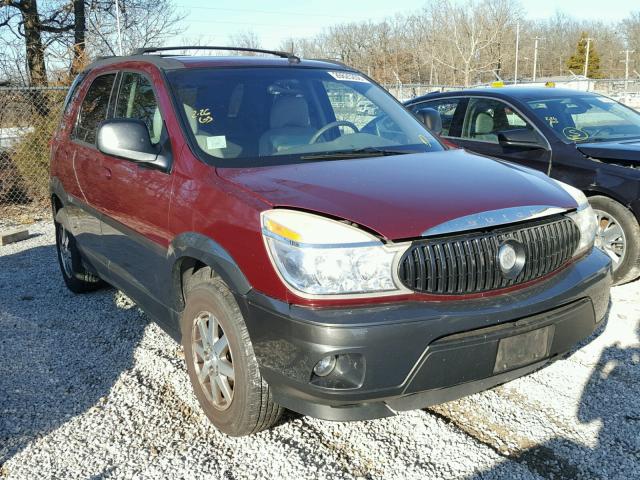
[
  {"x": 446, "y": 107},
  {"x": 137, "y": 100},
  {"x": 94, "y": 108}
]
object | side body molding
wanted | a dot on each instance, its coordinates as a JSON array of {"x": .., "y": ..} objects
[{"x": 204, "y": 249}]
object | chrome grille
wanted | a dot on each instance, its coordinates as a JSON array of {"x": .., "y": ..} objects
[{"x": 468, "y": 263}]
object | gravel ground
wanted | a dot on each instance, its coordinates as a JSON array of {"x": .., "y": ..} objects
[{"x": 89, "y": 388}]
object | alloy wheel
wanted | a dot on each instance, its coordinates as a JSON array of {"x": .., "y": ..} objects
[
  {"x": 64, "y": 250},
  {"x": 213, "y": 360},
  {"x": 610, "y": 237}
]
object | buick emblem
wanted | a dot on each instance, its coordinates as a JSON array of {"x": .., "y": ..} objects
[{"x": 511, "y": 258}]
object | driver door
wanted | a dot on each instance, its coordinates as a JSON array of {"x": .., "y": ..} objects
[{"x": 486, "y": 118}]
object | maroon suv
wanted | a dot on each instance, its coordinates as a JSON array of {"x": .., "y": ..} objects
[{"x": 309, "y": 253}]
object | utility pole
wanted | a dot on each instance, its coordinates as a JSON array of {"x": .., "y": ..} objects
[
  {"x": 586, "y": 60},
  {"x": 118, "y": 33},
  {"x": 535, "y": 57},
  {"x": 515, "y": 68},
  {"x": 626, "y": 68}
]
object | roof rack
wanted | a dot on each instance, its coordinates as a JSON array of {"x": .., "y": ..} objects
[{"x": 290, "y": 56}]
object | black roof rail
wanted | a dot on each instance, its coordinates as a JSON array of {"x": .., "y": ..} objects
[{"x": 290, "y": 56}]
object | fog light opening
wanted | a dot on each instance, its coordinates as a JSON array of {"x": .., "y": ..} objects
[{"x": 325, "y": 366}]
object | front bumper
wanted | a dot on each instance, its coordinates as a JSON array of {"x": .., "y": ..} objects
[{"x": 402, "y": 356}]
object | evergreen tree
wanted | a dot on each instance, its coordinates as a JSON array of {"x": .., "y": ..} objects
[{"x": 576, "y": 61}]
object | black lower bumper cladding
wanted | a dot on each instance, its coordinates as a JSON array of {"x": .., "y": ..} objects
[{"x": 415, "y": 354}]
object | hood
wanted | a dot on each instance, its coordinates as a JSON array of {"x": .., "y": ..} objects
[
  {"x": 626, "y": 151},
  {"x": 401, "y": 196}
]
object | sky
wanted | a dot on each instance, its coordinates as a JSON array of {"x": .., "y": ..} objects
[{"x": 276, "y": 20}]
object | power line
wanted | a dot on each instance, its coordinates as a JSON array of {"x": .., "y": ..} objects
[
  {"x": 255, "y": 24},
  {"x": 267, "y": 12}
]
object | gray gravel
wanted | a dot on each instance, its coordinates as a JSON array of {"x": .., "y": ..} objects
[{"x": 89, "y": 388}]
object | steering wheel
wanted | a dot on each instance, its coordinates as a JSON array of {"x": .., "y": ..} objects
[{"x": 329, "y": 126}]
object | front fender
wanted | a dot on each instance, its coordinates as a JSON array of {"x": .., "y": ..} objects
[{"x": 206, "y": 250}]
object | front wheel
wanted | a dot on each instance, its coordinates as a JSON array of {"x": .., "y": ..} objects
[
  {"x": 618, "y": 236},
  {"x": 220, "y": 359}
]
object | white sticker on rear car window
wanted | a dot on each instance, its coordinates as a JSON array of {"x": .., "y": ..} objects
[
  {"x": 348, "y": 77},
  {"x": 219, "y": 141}
]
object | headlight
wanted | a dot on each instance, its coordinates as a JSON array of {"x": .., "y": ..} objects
[
  {"x": 584, "y": 217},
  {"x": 319, "y": 256}
]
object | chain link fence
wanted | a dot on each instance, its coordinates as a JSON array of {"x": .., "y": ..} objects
[{"x": 28, "y": 118}]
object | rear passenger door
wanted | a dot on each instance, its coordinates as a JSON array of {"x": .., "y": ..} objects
[
  {"x": 137, "y": 199},
  {"x": 483, "y": 122}
]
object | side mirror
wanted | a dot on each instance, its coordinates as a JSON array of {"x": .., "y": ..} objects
[
  {"x": 126, "y": 138},
  {"x": 519, "y": 137},
  {"x": 431, "y": 119}
]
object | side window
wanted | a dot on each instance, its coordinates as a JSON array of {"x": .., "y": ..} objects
[
  {"x": 446, "y": 107},
  {"x": 486, "y": 117},
  {"x": 137, "y": 100},
  {"x": 94, "y": 108},
  {"x": 72, "y": 92}
]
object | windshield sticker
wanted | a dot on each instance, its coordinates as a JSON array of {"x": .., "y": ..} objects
[
  {"x": 552, "y": 121},
  {"x": 348, "y": 77},
  {"x": 424, "y": 140},
  {"x": 203, "y": 115},
  {"x": 575, "y": 134},
  {"x": 219, "y": 141}
]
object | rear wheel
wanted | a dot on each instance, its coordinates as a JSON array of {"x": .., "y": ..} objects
[
  {"x": 77, "y": 278},
  {"x": 618, "y": 236},
  {"x": 220, "y": 359}
]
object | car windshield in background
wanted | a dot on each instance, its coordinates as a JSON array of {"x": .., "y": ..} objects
[
  {"x": 260, "y": 116},
  {"x": 587, "y": 118}
]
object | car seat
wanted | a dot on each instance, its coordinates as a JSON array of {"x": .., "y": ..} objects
[
  {"x": 290, "y": 125},
  {"x": 484, "y": 127}
]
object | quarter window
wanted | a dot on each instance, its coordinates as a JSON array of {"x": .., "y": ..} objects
[
  {"x": 486, "y": 117},
  {"x": 137, "y": 100},
  {"x": 94, "y": 108}
]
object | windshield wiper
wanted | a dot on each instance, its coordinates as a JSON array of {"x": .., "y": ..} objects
[{"x": 358, "y": 153}]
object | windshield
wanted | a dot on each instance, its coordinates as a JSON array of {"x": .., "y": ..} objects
[
  {"x": 260, "y": 116},
  {"x": 587, "y": 118}
]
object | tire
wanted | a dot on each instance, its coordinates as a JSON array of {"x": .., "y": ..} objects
[
  {"x": 250, "y": 407},
  {"x": 77, "y": 278},
  {"x": 611, "y": 213}
]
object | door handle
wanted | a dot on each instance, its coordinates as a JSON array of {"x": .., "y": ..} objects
[{"x": 107, "y": 172}]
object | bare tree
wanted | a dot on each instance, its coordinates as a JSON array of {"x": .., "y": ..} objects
[
  {"x": 143, "y": 23},
  {"x": 24, "y": 20},
  {"x": 472, "y": 28},
  {"x": 630, "y": 28},
  {"x": 246, "y": 39}
]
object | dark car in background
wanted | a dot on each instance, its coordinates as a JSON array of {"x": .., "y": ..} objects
[{"x": 586, "y": 140}]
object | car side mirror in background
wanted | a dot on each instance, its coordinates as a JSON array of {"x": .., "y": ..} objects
[
  {"x": 128, "y": 138},
  {"x": 519, "y": 137},
  {"x": 431, "y": 119}
]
